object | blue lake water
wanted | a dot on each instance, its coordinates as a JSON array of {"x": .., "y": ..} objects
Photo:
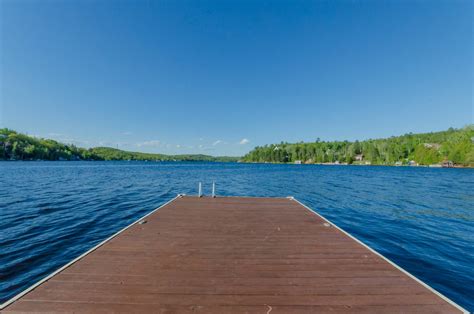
[{"x": 421, "y": 218}]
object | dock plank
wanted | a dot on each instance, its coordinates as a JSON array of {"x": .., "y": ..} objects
[{"x": 232, "y": 255}]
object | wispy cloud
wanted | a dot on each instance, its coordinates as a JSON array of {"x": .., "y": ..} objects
[
  {"x": 53, "y": 134},
  {"x": 75, "y": 141},
  {"x": 127, "y": 133},
  {"x": 106, "y": 143},
  {"x": 152, "y": 143},
  {"x": 244, "y": 141},
  {"x": 66, "y": 139},
  {"x": 205, "y": 147},
  {"x": 216, "y": 143}
]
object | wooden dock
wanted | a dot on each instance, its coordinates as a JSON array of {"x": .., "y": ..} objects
[{"x": 231, "y": 255}]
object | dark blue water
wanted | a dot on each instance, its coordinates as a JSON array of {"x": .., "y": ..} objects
[{"x": 421, "y": 218}]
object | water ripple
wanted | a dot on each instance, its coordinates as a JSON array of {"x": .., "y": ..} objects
[{"x": 421, "y": 218}]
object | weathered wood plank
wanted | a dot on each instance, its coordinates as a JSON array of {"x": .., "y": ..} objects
[{"x": 232, "y": 255}]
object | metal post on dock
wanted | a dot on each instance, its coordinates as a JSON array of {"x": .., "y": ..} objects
[
  {"x": 213, "y": 189},
  {"x": 200, "y": 189}
]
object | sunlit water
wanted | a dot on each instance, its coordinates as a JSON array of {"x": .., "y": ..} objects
[{"x": 421, "y": 218}]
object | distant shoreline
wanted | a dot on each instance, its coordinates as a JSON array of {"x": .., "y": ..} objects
[
  {"x": 244, "y": 162},
  {"x": 359, "y": 165},
  {"x": 17, "y": 146},
  {"x": 451, "y": 148},
  {"x": 112, "y": 160}
]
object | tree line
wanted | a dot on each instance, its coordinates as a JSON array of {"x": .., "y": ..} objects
[
  {"x": 17, "y": 146},
  {"x": 455, "y": 145}
]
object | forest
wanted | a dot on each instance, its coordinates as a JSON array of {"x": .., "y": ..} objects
[
  {"x": 17, "y": 146},
  {"x": 455, "y": 145}
]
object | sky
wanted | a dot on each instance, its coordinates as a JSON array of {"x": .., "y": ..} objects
[{"x": 221, "y": 77}]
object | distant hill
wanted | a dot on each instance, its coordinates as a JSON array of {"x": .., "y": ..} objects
[
  {"x": 455, "y": 145},
  {"x": 107, "y": 153},
  {"x": 17, "y": 146}
]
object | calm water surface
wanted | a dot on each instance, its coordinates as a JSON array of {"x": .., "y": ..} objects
[{"x": 421, "y": 218}]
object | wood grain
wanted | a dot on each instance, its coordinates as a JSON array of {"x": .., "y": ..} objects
[{"x": 232, "y": 255}]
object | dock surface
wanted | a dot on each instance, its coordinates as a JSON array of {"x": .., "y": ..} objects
[{"x": 232, "y": 255}]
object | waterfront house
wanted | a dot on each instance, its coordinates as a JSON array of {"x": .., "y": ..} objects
[
  {"x": 412, "y": 163},
  {"x": 447, "y": 164},
  {"x": 359, "y": 157},
  {"x": 297, "y": 162},
  {"x": 398, "y": 163}
]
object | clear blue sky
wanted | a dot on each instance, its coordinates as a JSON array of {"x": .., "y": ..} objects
[{"x": 220, "y": 77}]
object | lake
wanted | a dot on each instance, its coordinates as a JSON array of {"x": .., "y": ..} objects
[{"x": 420, "y": 218}]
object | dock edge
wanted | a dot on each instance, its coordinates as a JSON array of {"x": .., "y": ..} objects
[
  {"x": 439, "y": 294},
  {"x": 27, "y": 290}
]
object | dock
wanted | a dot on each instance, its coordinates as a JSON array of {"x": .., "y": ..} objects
[{"x": 231, "y": 255}]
